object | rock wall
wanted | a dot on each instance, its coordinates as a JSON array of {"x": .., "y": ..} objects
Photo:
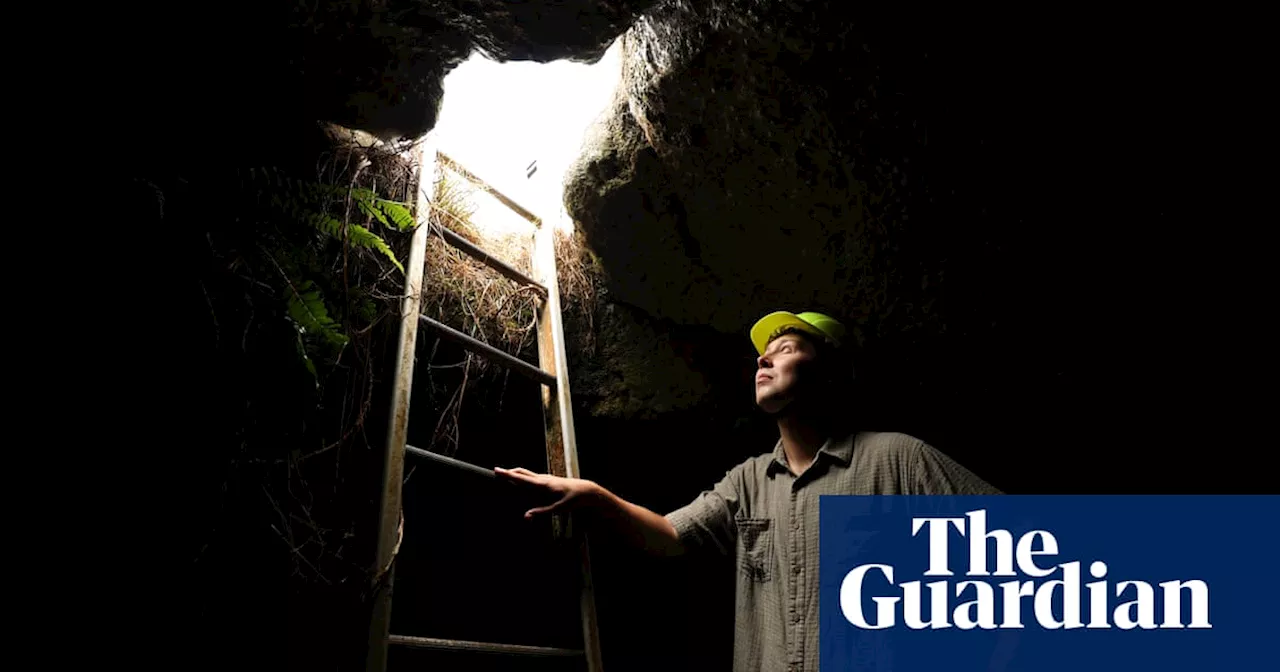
[
  {"x": 763, "y": 156},
  {"x": 995, "y": 204},
  {"x": 747, "y": 149},
  {"x": 948, "y": 185},
  {"x": 243, "y": 76}
]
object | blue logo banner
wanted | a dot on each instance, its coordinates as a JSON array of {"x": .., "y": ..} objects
[{"x": 1047, "y": 583}]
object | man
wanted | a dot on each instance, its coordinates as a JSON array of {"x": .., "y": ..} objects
[{"x": 765, "y": 510}]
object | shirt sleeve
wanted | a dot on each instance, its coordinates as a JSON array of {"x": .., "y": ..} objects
[
  {"x": 708, "y": 521},
  {"x": 931, "y": 472}
]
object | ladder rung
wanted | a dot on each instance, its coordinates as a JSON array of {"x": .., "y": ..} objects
[
  {"x": 489, "y": 260},
  {"x": 445, "y": 459},
  {"x": 502, "y": 198},
  {"x": 482, "y": 647},
  {"x": 485, "y": 350}
]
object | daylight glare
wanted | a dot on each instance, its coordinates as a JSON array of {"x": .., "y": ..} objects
[{"x": 498, "y": 118}]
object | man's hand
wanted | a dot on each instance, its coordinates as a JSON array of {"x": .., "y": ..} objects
[
  {"x": 572, "y": 492},
  {"x": 637, "y": 525}
]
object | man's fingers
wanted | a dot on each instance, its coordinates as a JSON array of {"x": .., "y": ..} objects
[
  {"x": 548, "y": 508},
  {"x": 518, "y": 474},
  {"x": 537, "y": 512},
  {"x": 518, "y": 471}
]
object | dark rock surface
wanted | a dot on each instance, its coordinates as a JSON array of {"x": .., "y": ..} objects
[
  {"x": 944, "y": 184},
  {"x": 989, "y": 200},
  {"x": 249, "y": 71}
]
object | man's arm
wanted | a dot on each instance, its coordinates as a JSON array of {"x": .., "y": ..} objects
[
  {"x": 641, "y": 527},
  {"x": 637, "y": 525},
  {"x": 709, "y": 521}
]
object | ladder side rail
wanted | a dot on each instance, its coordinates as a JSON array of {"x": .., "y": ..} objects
[{"x": 389, "y": 519}]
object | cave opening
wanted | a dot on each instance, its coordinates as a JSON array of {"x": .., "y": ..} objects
[
  {"x": 519, "y": 125},
  {"x": 469, "y": 567}
]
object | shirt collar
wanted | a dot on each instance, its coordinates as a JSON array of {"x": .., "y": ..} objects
[{"x": 839, "y": 449}]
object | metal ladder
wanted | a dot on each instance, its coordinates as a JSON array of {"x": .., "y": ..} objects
[{"x": 552, "y": 373}]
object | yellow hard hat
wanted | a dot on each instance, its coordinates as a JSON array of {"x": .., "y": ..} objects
[{"x": 822, "y": 326}]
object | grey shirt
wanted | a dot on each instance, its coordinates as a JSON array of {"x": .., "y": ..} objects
[{"x": 768, "y": 518}]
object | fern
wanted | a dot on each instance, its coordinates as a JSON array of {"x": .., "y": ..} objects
[
  {"x": 399, "y": 213},
  {"x": 295, "y": 204},
  {"x": 278, "y": 181},
  {"x": 358, "y": 235},
  {"x": 307, "y": 361},
  {"x": 367, "y": 208},
  {"x": 288, "y": 194},
  {"x": 305, "y": 201},
  {"x": 391, "y": 214},
  {"x": 307, "y": 310}
]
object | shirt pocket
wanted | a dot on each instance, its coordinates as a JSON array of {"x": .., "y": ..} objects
[{"x": 755, "y": 548}]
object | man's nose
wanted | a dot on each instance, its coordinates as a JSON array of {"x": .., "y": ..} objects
[{"x": 762, "y": 362}]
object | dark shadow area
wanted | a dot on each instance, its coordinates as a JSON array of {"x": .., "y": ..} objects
[
  {"x": 471, "y": 567},
  {"x": 1051, "y": 304}
]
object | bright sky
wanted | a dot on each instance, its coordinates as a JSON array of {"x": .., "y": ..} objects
[{"x": 497, "y": 118}]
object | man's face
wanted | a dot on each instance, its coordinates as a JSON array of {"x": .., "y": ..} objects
[{"x": 781, "y": 371}]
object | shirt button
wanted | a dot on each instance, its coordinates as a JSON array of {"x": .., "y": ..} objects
[{"x": 797, "y": 569}]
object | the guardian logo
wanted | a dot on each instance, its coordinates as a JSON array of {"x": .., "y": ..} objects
[{"x": 991, "y": 605}]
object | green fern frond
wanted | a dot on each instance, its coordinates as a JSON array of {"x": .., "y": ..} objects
[
  {"x": 307, "y": 310},
  {"x": 368, "y": 239},
  {"x": 288, "y": 191},
  {"x": 307, "y": 361},
  {"x": 358, "y": 235},
  {"x": 373, "y": 212},
  {"x": 307, "y": 202},
  {"x": 389, "y": 213},
  {"x": 361, "y": 194},
  {"x": 399, "y": 213},
  {"x": 290, "y": 195},
  {"x": 325, "y": 224}
]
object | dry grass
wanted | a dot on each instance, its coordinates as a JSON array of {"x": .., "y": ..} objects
[
  {"x": 578, "y": 275},
  {"x": 471, "y": 297},
  {"x": 467, "y": 295}
]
